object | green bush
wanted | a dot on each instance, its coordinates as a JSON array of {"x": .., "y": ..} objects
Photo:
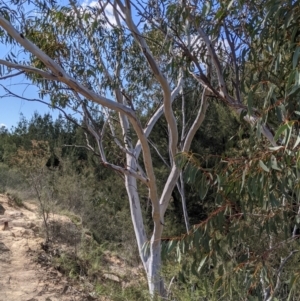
[{"x": 14, "y": 198}]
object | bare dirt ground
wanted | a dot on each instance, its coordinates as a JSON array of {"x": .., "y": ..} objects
[{"x": 22, "y": 278}]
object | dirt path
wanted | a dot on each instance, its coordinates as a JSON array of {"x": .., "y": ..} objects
[{"x": 21, "y": 277}]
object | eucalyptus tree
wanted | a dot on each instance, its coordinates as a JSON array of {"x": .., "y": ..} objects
[
  {"x": 247, "y": 248},
  {"x": 128, "y": 60}
]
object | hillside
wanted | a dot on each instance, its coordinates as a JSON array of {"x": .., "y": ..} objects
[
  {"x": 23, "y": 276},
  {"x": 26, "y": 262}
]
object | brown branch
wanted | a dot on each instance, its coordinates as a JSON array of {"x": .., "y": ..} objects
[{"x": 11, "y": 75}]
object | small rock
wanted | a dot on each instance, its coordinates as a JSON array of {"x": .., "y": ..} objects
[
  {"x": 31, "y": 225},
  {"x": 65, "y": 289},
  {"x": 3, "y": 248},
  {"x": 15, "y": 214},
  {"x": 45, "y": 246},
  {"x": 5, "y": 227},
  {"x": 5, "y": 253},
  {"x": 91, "y": 296},
  {"x": 2, "y": 210},
  {"x": 111, "y": 277},
  {"x": 35, "y": 229}
]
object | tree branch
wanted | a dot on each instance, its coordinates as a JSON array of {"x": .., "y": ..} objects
[
  {"x": 58, "y": 72},
  {"x": 28, "y": 69},
  {"x": 98, "y": 138},
  {"x": 11, "y": 75},
  {"x": 216, "y": 62},
  {"x": 234, "y": 59},
  {"x": 41, "y": 101},
  {"x": 157, "y": 73},
  {"x": 63, "y": 77},
  {"x": 155, "y": 117},
  {"x": 278, "y": 281},
  {"x": 158, "y": 153},
  {"x": 197, "y": 122}
]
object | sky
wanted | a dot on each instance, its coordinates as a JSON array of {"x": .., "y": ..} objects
[{"x": 10, "y": 107}]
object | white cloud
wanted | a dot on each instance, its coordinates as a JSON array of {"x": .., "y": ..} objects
[
  {"x": 86, "y": 3},
  {"x": 109, "y": 10},
  {"x": 2, "y": 125}
]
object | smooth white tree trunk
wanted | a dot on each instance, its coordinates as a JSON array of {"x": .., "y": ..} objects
[{"x": 155, "y": 280}]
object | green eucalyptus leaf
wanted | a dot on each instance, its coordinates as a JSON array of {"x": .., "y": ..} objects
[
  {"x": 281, "y": 129},
  {"x": 263, "y": 166},
  {"x": 297, "y": 142},
  {"x": 202, "y": 262},
  {"x": 203, "y": 189},
  {"x": 296, "y": 57},
  {"x": 276, "y": 148},
  {"x": 250, "y": 102},
  {"x": 274, "y": 164},
  {"x": 171, "y": 245}
]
